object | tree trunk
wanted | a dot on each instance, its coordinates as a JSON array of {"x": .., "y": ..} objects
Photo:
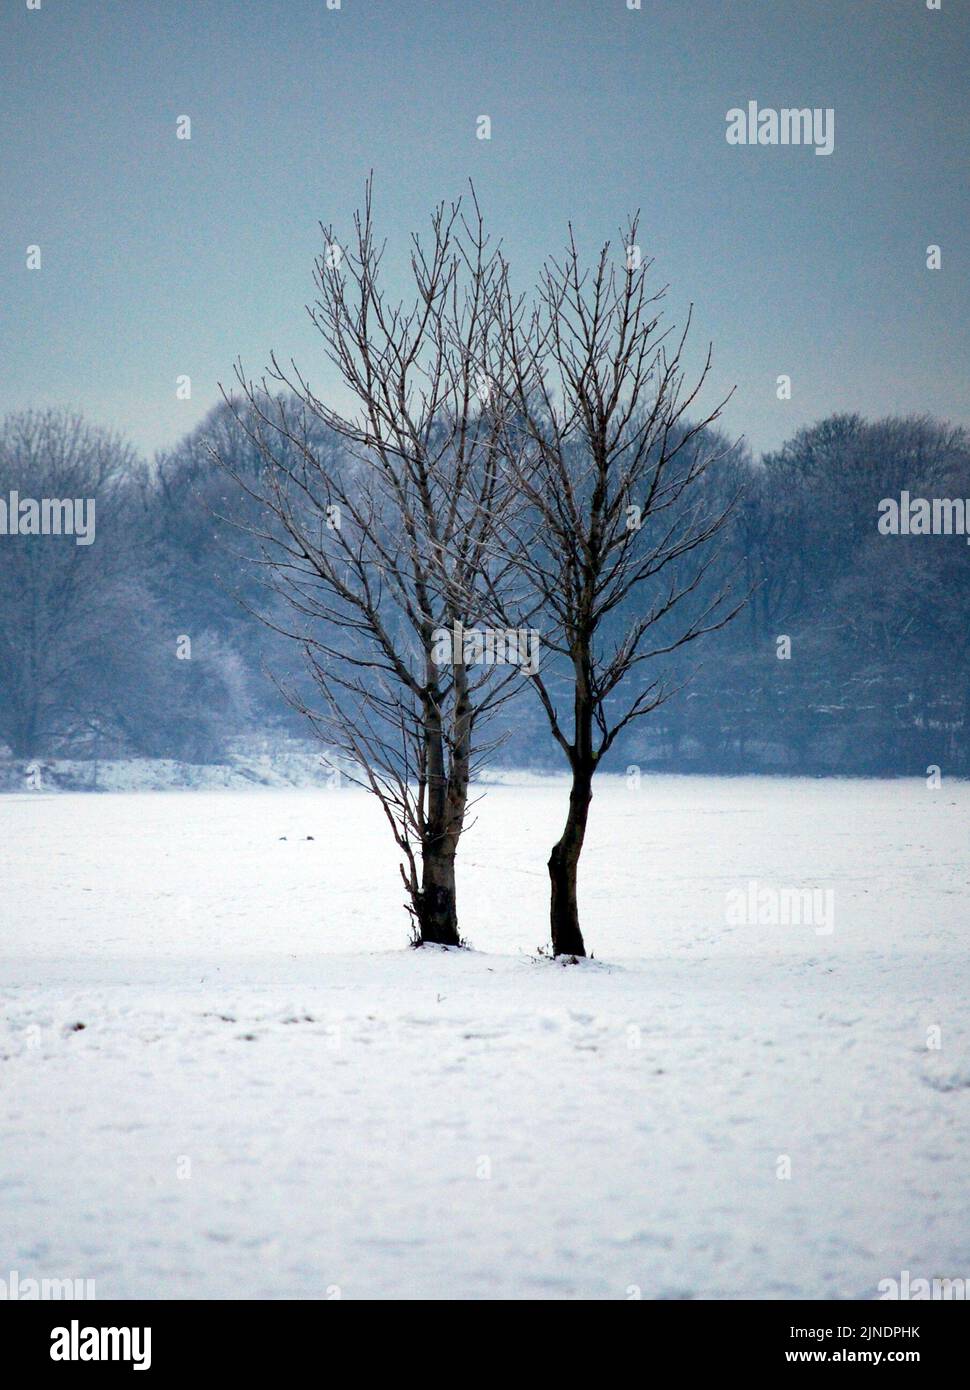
[
  {"x": 567, "y": 938},
  {"x": 436, "y": 907},
  {"x": 436, "y": 910}
]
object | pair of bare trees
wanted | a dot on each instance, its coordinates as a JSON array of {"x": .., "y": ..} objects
[{"x": 515, "y": 463}]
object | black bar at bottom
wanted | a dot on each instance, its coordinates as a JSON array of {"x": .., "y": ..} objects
[{"x": 165, "y": 1339}]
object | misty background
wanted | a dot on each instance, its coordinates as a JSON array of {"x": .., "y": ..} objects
[
  {"x": 167, "y": 258},
  {"x": 874, "y": 676}
]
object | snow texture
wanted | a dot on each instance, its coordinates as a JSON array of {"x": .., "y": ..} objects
[{"x": 224, "y": 1074}]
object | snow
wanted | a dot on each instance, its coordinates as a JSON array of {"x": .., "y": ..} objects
[
  {"x": 279, "y": 761},
  {"x": 273, "y": 1096}
]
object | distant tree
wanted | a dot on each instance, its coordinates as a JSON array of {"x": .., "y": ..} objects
[
  {"x": 88, "y": 652},
  {"x": 198, "y": 523},
  {"x": 875, "y": 675},
  {"x": 61, "y": 603}
]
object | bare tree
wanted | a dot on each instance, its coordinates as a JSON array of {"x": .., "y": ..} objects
[
  {"x": 378, "y": 541},
  {"x": 610, "y": 522}
]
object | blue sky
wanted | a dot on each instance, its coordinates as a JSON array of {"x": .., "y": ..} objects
[{"x": 163, "y": 257}]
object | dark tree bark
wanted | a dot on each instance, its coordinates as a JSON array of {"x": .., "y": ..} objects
[
  {"x": 436, "y": 907},
  {"x": 567, "y": 937}
]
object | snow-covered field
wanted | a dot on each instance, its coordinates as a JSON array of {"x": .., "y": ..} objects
[{"x": 272, "y": 1095}]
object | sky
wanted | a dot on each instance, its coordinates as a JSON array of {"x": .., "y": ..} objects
[{"x": 163, "y": 258}]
